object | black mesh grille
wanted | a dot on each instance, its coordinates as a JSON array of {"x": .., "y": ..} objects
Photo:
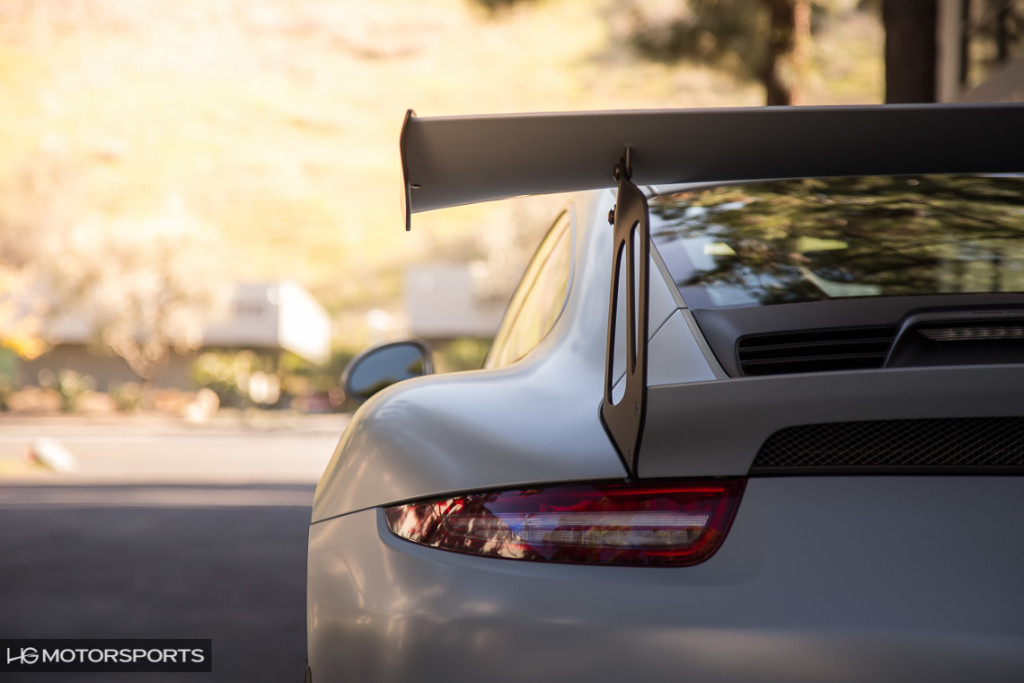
[{"x": 993, "y": 444}]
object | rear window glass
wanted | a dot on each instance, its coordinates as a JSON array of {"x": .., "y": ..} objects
[{"x": 795, "y": 241}]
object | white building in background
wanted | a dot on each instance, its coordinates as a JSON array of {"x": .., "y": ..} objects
[
  {"x": 443, "y": 301},
  {"x": 279, "y": 315},
  {"x": 265, "y": 317}
]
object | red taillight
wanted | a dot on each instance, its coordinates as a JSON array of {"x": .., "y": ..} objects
[{"x": 663, "y": 524}]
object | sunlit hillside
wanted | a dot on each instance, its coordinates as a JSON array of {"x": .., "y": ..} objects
[{"x": 276, "y": 121}]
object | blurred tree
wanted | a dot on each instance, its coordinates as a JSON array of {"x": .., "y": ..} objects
[
  {"x": 769, "y": 40},
  {"x": 910, "y": 49},
  {"x": 495, "y": 6},
  {"x": 20, "y": 319},
  {"x": 37, "y": 198},
  {"x": 993, "y": 39},
  {"x": 147, "y": 287},
  {"x": 784, "y": 73}
]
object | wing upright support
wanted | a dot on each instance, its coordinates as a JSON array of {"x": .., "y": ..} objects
[{"x": 624, "y": 418}]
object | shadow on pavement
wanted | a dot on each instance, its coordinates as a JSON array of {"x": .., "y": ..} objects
[{"x": 160, "y": 561}]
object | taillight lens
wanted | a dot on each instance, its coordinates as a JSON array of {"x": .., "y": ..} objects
[{"x": 664, "y": 524}]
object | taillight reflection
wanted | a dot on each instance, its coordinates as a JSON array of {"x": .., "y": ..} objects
[{"x": 664, "y": 524}]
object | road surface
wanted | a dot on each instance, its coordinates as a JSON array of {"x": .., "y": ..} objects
[{"x": 164, "y": 531}]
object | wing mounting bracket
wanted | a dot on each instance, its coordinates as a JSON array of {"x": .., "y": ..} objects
[{"x": 624, "y": 419}]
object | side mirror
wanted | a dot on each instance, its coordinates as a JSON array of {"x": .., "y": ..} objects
[{"x": 382, "y": 366}]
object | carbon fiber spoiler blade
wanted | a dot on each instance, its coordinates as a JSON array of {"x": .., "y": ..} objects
[{"x": 449, "y": 161}]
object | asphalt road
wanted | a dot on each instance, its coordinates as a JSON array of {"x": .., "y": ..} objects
[
  {"x": 141, "y": 450},
  {"x": 137, "y": 545}
]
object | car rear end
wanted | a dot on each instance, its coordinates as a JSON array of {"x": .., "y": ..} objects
[
  {"x": 819, "y": 579},
  {"x": 828, "y": 485}
]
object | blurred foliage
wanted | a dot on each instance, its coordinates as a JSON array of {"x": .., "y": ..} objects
[
  {"x": 316, "y": 388},
  {"x": 6, "y": 391},
  {"x": 727, "y": 33},
  {"x": 304, "y": 386},
  {"x": 227, "y": 373},
  {"x": 20, "y": 314},
  {"x": 69, "y": 384},
  {"x": 766, "y": 40},
  {"x": 147, "y": 287},
  {"x": 496, "y": 6},
  {"x": 996, "y": 36},
  {"x": 8, "y": 362},
  {"x": 127, "y": 396},
  {"x": 464, "y": 353},
  {"x": 39, "y": 197}
]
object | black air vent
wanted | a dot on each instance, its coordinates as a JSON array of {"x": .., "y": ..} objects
[
  {"x": 842, "y": 348},
  {"x": 953, "y": 445}
]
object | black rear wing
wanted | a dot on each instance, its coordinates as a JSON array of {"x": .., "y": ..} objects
[{"x": 448, "y": 161}]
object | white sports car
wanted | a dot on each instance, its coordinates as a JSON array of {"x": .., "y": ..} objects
[{"x": 756, "y": 414}]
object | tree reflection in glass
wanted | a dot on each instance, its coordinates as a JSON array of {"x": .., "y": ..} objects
[{"x": 817, "y": 239}]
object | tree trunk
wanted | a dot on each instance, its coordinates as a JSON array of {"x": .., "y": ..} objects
[
  {"x": 789, "y": 35},
  {"x": 910, "y": 49}
]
